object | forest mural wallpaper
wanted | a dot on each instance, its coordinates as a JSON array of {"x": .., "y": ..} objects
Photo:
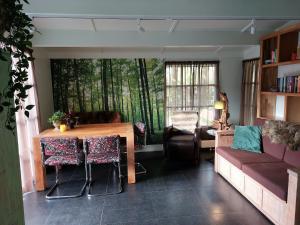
[{"x": 134, "y": 87}]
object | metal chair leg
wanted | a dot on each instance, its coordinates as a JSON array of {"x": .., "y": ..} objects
[
  {"x": 106, "y": 193},
  {"x": 48, "y": 195}
]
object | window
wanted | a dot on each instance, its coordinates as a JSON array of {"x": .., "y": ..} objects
[{"x": 191, "y": 86}]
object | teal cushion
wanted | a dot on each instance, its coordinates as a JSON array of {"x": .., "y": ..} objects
[{"x": 247, "y": 138}]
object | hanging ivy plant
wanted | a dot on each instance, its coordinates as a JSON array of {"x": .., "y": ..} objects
[{"x": 16, "y": 31}]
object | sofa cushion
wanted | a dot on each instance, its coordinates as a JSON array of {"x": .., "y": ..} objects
[
  {"x": 272, "y": 176},
  {"x": 292, "y": 157},
  {"x": 275, "y": 150},
  {"x": 239, "y": 157},
  {"x": 247, "y": 138}
]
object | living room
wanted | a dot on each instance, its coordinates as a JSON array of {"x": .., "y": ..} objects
[{"x": 150, "y": 113}]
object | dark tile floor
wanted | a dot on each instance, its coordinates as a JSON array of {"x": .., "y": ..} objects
[{"x": 170, "y": 194}]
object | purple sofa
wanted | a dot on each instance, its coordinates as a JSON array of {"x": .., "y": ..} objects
[{"x": 269, "y": 169}]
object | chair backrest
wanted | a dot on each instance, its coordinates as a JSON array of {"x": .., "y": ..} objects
[
  {"x": 185, "y": 120},
  {"x": 106, "y": 144},
  {"x": 141, "y": 127},
  {"x": 60, "y": 146}
]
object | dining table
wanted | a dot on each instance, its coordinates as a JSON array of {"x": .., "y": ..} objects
[{"x": 82, "y": 131}]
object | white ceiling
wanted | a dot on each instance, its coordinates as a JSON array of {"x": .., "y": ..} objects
[{"x": 152, "y": 25}]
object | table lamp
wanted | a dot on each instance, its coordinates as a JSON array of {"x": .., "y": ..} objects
[
  {"x": 222, "y": 123},
  {"x": 219, "y": 105}
]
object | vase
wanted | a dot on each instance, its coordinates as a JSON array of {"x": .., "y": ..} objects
[{"x": 56, "y": 125}]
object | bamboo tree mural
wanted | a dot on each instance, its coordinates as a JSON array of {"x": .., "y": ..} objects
[
  {"x": 76, "y": 75},
  {"x": 139, "y": 90},
  {"x": 148, "y": 96},
  {"x": 144, "y": 97},
  {"x": 104, "y": 85},
  {"x": 133, "y": 87}
]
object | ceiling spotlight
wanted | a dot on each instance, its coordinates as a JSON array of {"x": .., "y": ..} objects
[
  {"x": 139, "y": 26},
  {"x": 250, "y": 27},
  {"x": 173, "y": 25}
]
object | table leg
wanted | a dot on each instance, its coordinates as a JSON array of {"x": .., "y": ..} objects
[
  {"x": 130, "y": 158},
  {"x": 40, "y": 173}
]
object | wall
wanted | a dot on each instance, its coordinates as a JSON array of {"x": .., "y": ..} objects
[
  {"x": 11, "y": 204},
  {"x": 44, "y": 87},
  {"x": 252, "y": 52},
  {"x": 230, "y": 69}
]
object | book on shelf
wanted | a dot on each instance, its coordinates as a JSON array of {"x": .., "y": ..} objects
[{"x": 289, "y": 84}]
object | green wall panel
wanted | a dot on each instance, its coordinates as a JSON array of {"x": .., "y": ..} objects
[{"x": 11, "y": 203}]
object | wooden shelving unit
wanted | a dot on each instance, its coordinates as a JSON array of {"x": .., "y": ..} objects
[
  {"x": 278, "y": 50},
  {"x": 280, "y": 93}
]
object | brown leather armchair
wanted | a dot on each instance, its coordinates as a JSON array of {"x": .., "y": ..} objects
[{"x": 181, "y": 139}]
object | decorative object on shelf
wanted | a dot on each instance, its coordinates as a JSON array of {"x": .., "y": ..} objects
[
  {"x": 281, "y": 132},
  {"x": 222, "y": 123},
  {"x": 56, "y": 119},
  {"x": 63, "y": 128},
  {"x": 16, "y": 31},
  {"x": 294, "y": 56}
]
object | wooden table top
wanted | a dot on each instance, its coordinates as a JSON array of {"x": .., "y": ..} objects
[{"x": 86, "y": 130}]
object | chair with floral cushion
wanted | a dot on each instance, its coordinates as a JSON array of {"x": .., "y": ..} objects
[
  {"x": 102, "y": 150},
  {"x": 140, "y": 134},
  {"x": 58, "y": 151}
]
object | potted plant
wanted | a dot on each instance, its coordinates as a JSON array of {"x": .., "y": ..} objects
[
  {"x": 16, "y": 32},
  {"x": 56, "y": 119}
]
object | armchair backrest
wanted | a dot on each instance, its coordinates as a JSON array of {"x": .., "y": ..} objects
[{"x": 185, "y": 120}]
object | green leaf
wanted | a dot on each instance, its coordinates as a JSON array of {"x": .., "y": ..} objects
[
  {"x": 27, "y": 86},
  {"x": 26, "y": 113},
  {"x": 6, "y": 103},
  {"x": 29, "y": 107},
  {"x": 1, "y": 108},
  {"x": 9, "y": 127}
]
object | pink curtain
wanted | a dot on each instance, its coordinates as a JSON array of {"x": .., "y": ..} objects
[{"x": 26, "y": 129}]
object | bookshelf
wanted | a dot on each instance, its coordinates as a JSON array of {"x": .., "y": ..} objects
[{"x": 279, "y": 87}]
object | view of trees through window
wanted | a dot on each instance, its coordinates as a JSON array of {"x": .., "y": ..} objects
[
  {"x": 191, "y": 86},
  {"x": 133, "y": 87}
]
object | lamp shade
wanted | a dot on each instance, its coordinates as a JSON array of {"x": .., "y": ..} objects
[{"x": 219, "y": 105}]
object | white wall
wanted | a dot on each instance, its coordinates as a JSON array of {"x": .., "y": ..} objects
[
  {"x": 230, "y": 69},
  {"x": 252, "y": 52},
  {"x": 230, "y": 80},
  {"x": 44, "y": 86}
]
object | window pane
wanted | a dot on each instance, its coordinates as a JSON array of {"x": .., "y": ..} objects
[{"x": 191, "y": 86}]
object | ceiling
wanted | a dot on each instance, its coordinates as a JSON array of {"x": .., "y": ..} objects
[
  {"x": 155, "y": 23},
  {"x": 167, "y": 25}
]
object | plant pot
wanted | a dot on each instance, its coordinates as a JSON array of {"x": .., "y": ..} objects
[{"x": 56, "y": 125}]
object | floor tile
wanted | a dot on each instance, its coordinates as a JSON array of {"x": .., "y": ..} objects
[{"x": 172, "y": 193}]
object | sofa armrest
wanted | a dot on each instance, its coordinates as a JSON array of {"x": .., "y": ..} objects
[
  {"x": 224, "y": 138},
  {"x": 293, "y": 200},
  {"x": 294, "y": 172}
]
